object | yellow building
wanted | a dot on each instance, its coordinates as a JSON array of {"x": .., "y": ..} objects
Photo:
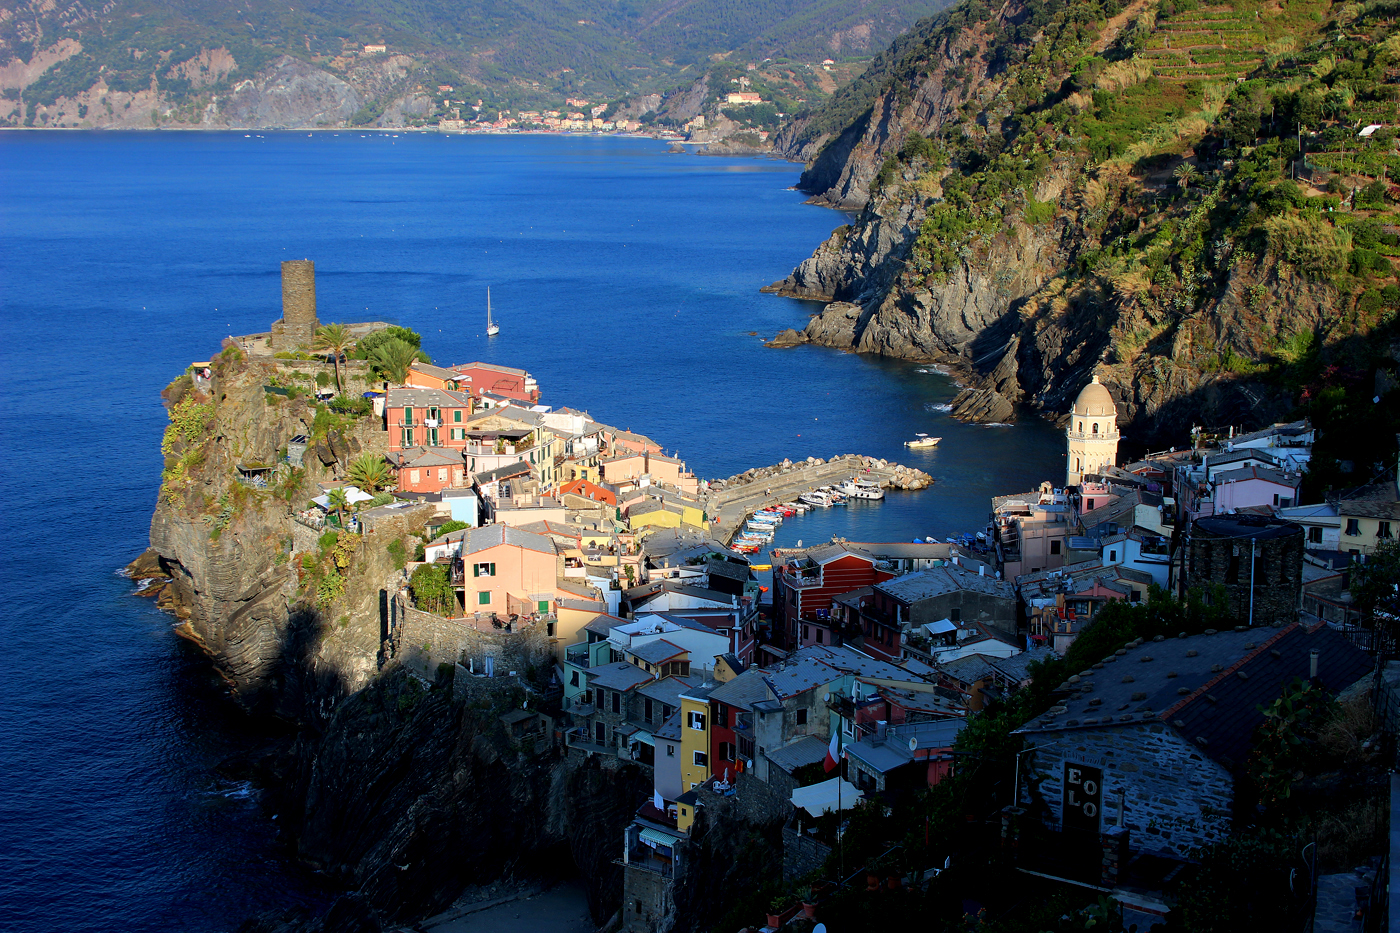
[{"x": 695, "y": 736}]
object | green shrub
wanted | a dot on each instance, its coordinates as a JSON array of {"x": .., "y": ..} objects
[
  {"x": 327, "y": 540},
  {"x": 1038, "y": 212},
  {"x": 323, "y": 379},
  {"x": 350, "y": 405},
  {"x": 397, "y": 553}
]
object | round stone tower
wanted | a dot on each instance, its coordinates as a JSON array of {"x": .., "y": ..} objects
[
  {"x": 297, "y": 329},
  {"x": 1092, "y": 433}
]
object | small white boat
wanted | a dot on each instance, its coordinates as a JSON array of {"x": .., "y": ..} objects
[
  {"x": 816, "y": 498},
  {"x": 857, "y": 490},
  {"x": 762, "y": 519},
  {"x": 923, "y": 440},
  {"x": 798, "y": 507},
  {"x": 492, "y": 328}
]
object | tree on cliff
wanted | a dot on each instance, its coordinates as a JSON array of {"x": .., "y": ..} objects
[
  {"x": 336, "y": 339},
  {"x": 339, "y": 502},
  {"x": 370, "y": 472},
  {"x": 393, "y": 358}
]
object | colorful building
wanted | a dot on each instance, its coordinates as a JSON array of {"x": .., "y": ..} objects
[{"x": 426, "y": 418}]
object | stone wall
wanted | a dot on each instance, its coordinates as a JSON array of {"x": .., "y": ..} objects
[
  {"x": 1277, "y": 573},
  {"x": 802, "y": 854},
  {"x": 423, "y": 640},
  {"x": 753, "y": 801},
  {"x": 647, "y": 901},
  {"x": 1175, "y": 798}
]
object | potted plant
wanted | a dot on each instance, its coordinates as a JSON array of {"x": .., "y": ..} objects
[
  {"x": 809, "y": 903},
  {"x": 781, "y": 910}
]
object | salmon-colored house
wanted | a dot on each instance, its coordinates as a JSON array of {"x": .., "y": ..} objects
[
  {"x": 428, "y": 469},
  {"x": 498, "y": 569},
  {"x": 478, "y": 378},
  {"x": 426, "y": 418}
]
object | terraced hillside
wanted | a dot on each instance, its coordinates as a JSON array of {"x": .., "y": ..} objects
[{"x": 1197, "y": 201}]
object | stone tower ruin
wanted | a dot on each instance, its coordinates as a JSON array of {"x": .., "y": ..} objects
[{"x": 297, "y": 329}]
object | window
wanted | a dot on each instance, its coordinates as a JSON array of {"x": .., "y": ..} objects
[
  {"x": 407, "y": 415},
  {"x": 670, "y": 751},
  {"x": 413, "y": 476},
  {"x": 407, "y": 437},
  {"x": 819, "y": 636},
  {"x": 483, "y": 598},
  {"x": 806, "y": 633},
  {"x": 1134, "y": 597},
  {"x": 1383, "y": 529},
  {"x": 1096, "y": 428},
  {"x": 746, "y": 746},
  {"x": 542, "y": 606},
  {"x": 1314, "y": 535},
  {"x": 617, "y": 702},
  {"x": 484, "y": 570},
  {"x": 699, "y": 759},
  {"x": 457, "y": 417},
  {"x": 442, "y": 474},
  {"x": 726, "y": 751},
  {"x": 599, "y": 733},
  {"x": 1232, "y": 573},
  {"x": 573, "y": 679},
  {"x": 1088, "y": 505},
  {"x": 1353, "y": 526},
  {"x": 1077, "y": 467},
  {"x": 847, "y": 729},
  {"x": 1080, "y": 429},
  {"x": 646, "y": 706},
  {"x": 1112, "y": 555},
  {"x": 802, "y": 717},
  {"x": 697, "y": 721},
  {"x": 955, "y": 615},
  {"x": 1285, "y": 502},
  {"x": 1055, "y": 547}
]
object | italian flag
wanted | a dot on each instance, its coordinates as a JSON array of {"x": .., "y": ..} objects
[{"x": 833, "y": 752}]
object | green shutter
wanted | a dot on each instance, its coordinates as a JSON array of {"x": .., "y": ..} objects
[
  {"x": 483, "y": 598},
  {"x": 457, "y": 416},
  {"x": 476, "y": 570},
  {"x": 544, "y": 605},
  {"x": 493, "y": 569}
]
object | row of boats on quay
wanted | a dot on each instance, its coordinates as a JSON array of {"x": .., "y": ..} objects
[{"x": 761, "y": 526}]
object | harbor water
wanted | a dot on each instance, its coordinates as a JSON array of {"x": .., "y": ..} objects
[{"x": 623, "y": 277}]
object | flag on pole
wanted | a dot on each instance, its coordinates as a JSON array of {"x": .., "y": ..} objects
[{"x": 833, "y": 752}]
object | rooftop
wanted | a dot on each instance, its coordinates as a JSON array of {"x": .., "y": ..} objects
[
  {"x": 481, "y": 539},
  {"x": 940, "y": 581},
  {"x": 411, "y": 397}
]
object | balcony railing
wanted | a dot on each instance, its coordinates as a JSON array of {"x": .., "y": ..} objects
[{"x": 642, "y": 857}]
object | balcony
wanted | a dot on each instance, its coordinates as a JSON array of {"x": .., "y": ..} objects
[
  {"x": 645, "y": 858},
  {"x": 841, "y": 705},
  {"x": 577, "y": 655}
]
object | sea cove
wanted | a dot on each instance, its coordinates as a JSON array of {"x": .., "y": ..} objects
[{"x": 626, "y": 279}]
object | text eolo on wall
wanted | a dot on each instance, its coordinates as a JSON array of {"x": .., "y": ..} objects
[{"x": 1083, "y": 797}]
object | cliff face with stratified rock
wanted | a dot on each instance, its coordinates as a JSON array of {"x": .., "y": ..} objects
[{"x": 1040, "y": 194}]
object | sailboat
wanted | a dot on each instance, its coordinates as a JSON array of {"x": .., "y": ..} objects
[{"x": 492, "y": 328}]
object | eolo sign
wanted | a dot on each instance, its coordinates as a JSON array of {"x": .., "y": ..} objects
[{"x": 1083, "y": 797}]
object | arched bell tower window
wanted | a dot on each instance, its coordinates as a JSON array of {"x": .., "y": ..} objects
[
  {"x": 1081, "y": 427},
  {"x": 1096, "y": 427}
]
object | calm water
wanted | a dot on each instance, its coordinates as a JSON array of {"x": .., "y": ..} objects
[{"x": 624, "y": 278}]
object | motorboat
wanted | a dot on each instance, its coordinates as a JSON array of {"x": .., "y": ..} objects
[
  {"x": 856, "y": 490},
  {"x": 921, "y": 441},
  {"x": 816, "y": 498},
  {"x": 797, "y": 507}
]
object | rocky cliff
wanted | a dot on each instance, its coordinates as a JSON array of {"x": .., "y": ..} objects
[{"x": 1038, "y": 197}]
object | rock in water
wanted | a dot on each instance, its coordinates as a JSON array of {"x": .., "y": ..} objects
[
  {"x": 787, "y": 338},
  {"x": 984, "y": 406}
]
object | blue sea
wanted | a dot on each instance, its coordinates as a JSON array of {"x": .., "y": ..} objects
[{"x": 624, "y": 278}]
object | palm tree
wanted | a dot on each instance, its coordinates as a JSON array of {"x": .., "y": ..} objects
[
  {"x": 339, "y": 500},
  {"x": 1185, "y": 174},
  {"x": 335, "y": 338},
  {"x": 394, "y": 357},
  {"x": 370, "y": 472}
]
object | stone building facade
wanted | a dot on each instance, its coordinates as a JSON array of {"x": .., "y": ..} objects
[
  {"x": 297, "y": 329},
  {"x": 1257, "y": 559}
]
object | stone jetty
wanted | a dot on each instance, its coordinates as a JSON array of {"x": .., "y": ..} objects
[{"x": 732, "y": 500}]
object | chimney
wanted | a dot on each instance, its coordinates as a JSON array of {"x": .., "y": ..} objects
[{"x": 1312, "y": 664}]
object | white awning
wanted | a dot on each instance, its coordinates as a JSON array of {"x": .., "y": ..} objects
[
  {"x": 653, "y": 838},
  {"x": 352, "y": 495},
  {"x": 837, "y": 793}
]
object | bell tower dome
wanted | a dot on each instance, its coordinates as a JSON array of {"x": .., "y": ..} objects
[{"x": 1092, "y": 433}]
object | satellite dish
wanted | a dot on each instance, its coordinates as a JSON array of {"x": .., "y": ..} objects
[
  {"x": 819, "y": 928},
  {"x": 913, "y": 743}
]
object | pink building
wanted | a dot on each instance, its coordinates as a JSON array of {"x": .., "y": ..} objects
[
  {"x": 506, "y": 381},
  {"x": 628, "y": 468},
  {"x": 428, "y": 469},
  {"x": 498, "y": 569},
  {"x": 419, "y": 417}
]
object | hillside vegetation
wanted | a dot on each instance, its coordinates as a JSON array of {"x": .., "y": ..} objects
[
  {"x": 184, "y": 58},
  {"x": 1181, "y": 195}
]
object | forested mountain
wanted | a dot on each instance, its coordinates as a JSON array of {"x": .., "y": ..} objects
[
  {"x": 177, "y": 56},
  {"x": 1199, "y": 201}
]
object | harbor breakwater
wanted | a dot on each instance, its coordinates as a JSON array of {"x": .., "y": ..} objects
[{"x": 731, "y": 501}]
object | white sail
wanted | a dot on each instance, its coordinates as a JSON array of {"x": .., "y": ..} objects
[{"x": 492, "y": 328}]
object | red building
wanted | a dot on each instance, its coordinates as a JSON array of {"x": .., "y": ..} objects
[
  {"x": 506, "y": 381},
  {"x": 428, "y": 469},
  {"x": 805, "y": 582},
  {"x": 417, "y": 417}
]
